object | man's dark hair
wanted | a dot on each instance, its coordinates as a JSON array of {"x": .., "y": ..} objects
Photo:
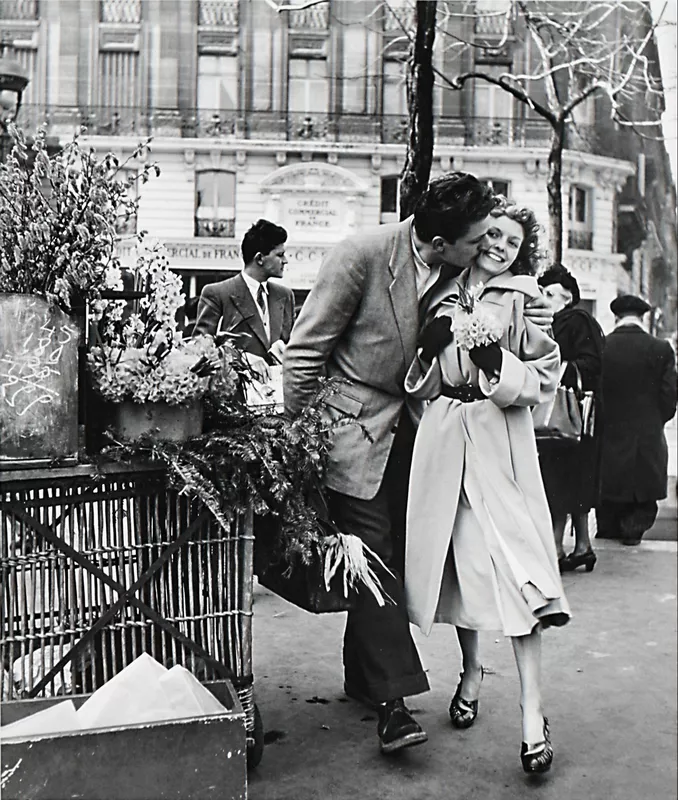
[
  {"x": 262, "y": 237},
  {"x": 557, "y": 273},
  {"x": 450, "y": 205}
]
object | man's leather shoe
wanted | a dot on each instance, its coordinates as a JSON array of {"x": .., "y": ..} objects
[
  {"x": 357, "y": 694},
  {"x": 397, "y": 728}
]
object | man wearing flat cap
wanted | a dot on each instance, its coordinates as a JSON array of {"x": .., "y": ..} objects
[{"x": 639, "y": 397}]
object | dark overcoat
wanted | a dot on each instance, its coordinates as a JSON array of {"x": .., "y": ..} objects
[
  {"x": 639, "y": 397},
  {"x": 571, "y": 470},
  {"x": 228, "y": 306}
]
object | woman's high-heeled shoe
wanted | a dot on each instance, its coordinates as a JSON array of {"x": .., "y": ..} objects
[
  {"x": 574, "y": 560},
  {"x": 537, "y": 758},
  {"x": 463, "y": 713}
]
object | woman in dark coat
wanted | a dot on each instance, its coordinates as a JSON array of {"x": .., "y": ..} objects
[{"x": 571, "y": 470}]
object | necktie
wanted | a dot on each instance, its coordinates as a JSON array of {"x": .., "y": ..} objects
[
  {"x": 447, "y": 272},
  {"x": 261, "y": 301}
]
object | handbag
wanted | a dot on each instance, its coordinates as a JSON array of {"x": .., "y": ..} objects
[
  {"x": 300, "y": 583},
  {"x": 562, "y": 418}
]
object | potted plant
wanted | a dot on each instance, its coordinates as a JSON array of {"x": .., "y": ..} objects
[
  {"x": 59, "y": 212},
  {"x": 138, "y": 358}
]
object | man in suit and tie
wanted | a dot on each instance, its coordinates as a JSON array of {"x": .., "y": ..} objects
[
  {"x": 361, "y": 323},
  {"x": 250, "y": 302},
  {"x": 639, "y": 398}
]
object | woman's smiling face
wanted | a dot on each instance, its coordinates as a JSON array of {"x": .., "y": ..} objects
[{"x": 500, "y": 246}]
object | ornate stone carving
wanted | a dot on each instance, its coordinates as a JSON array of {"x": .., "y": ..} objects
[{"x": 314, "y": 177}]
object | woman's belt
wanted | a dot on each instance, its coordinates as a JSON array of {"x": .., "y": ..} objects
[{"x": 467, "y": 393}]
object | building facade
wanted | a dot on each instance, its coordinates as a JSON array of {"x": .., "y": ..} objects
[{"x": 298, "y": 116}]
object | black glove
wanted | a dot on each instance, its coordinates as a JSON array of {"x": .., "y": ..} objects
[
  {"x": 487, "y": 357},
  {"x": 435, "y": 337}
]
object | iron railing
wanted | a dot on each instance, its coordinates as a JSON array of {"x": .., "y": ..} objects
[
  {"x": 19, "y": 9},
  {"x": 312, "y": 127},
  {"x": 580, "y": 240},
  {"x": 120, "y": 11},
  {"x": 218, "y": 13}
]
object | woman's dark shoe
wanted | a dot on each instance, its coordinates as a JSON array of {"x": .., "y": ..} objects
[
  {"x": 397, "y": 728},
  {"x": 537, "y": 758},
  {"x": 574, "y": 560},
  {"x": 463, "y": 713}
]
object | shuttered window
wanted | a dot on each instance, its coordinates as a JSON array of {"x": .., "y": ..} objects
[{"x": 118, "y": 79}]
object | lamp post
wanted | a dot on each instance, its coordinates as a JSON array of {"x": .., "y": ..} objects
[{"x": 13, "y": 81}]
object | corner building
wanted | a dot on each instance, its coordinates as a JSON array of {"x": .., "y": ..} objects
[{"x": 300, "y": 116}]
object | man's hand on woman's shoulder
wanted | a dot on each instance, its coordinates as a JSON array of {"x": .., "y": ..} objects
[{"x": 538, "y": 311}]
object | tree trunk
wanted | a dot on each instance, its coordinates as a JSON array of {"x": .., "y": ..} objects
[
  {"x": 554, "y": 188},
  {"x": 417, "y": 170}
]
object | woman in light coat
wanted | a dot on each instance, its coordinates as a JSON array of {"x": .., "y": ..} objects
[{"x": 480, "y": 552}]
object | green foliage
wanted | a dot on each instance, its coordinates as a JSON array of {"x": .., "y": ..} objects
[
  {"x": 58, "y": 217},
  {"x": 262, "y": 461}
]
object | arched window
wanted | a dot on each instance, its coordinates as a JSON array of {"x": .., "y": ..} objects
[{"x": 215, "y": 203}]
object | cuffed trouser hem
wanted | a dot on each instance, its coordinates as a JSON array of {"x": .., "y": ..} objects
[{"x": 402, "y": 687}]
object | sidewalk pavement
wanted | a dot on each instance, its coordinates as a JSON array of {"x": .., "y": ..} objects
[{"x": 609, "y": 692}]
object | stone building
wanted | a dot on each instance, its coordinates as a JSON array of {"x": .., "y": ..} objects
[{"x": 300, "y": 116}]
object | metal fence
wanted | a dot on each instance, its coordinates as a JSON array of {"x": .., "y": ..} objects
[{"x": 234, "y": 125}]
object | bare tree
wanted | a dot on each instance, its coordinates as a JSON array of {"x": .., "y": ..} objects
[
  {"x": 420, "y": 78},
  {"x": 579, "y": 50}
]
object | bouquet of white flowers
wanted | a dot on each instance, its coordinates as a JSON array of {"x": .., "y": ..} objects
[{"x": 474, "y": 324}]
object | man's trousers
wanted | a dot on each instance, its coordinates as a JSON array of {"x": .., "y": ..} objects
[{"x": 380, "y": 657}]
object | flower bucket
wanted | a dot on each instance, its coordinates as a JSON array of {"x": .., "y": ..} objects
[
  {"x": 38, "y": 382},
  {"x": 171, "y": 422}
]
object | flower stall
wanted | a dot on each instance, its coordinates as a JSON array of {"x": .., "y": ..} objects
[{"x": 139, "y": 536}]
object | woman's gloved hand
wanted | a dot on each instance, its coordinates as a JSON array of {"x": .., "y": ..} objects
[
  {"x": 435, "y": 337},
  {"x": 487, "y": 357}
]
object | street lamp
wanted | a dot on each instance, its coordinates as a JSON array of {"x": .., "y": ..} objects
[{"x": 13, "y": 81}]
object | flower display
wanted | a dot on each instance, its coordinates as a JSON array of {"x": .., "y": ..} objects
[
  {"x": 138, "y": 352},
  {"x": 59, "y": 215},
  {"x": 473, "y": 323}
]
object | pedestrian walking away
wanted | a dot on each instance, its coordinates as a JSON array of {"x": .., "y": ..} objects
[
  {"x": 639, "y": 397},
  {"x": 571, "y": 468},
  {"x": 480, "y": 553},
  {"x": 360, "y": 323}
]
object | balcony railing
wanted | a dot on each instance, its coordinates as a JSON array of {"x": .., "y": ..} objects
[
  {"x": 214, "y": 227},
  {"x": 120, "y": 11},
  {"x": 18, "y": 9},
  {"x": 580, "y": 240},
  {"x": 313, "y": 18},
  {"x": 299, "y": 126},
  {"x": 218, "y": 13},
  {"x": 494, "y": 24}
]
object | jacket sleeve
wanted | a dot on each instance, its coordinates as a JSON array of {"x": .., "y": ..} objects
[
  {"x": 210, "y": 311},
  {"x": 529, "y": 369},
  {"x": 667, "y": 386},
  {"x": 322, "y": 320},
  {"x": 288, "y": 317},
  {"x": 424, "y": 382}
]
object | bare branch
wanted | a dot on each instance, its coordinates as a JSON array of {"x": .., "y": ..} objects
[
  {"x": 294, "y": 6},
  {"x": 517, "y": 91}
]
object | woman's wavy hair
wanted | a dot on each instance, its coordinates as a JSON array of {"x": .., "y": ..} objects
[{"x": 529, "y": 255}]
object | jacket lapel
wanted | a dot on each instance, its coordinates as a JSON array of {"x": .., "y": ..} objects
[
  {"x": 403, "y": 291},
  {"x": 244, "y": 302}
]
